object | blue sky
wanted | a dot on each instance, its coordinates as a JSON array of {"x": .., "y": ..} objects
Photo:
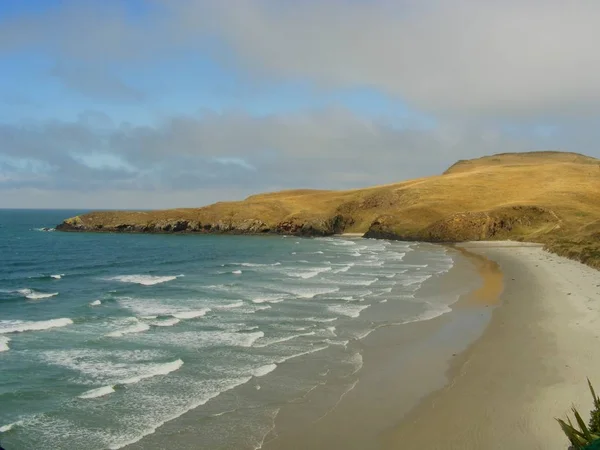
[{"x": 156, "y": 103}]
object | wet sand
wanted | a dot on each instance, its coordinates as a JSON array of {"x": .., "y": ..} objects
[
  {"x": 529, "y": 366},
  {"x": 402, "y": 365}
]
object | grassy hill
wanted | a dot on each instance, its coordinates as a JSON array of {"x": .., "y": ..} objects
[{"x": 547, "y": 197}]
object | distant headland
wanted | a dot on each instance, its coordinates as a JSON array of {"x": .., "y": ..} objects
[{"x": 547, "y": 197}]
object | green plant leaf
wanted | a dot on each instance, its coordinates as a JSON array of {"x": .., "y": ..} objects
[{"x": 582, "y": 426}]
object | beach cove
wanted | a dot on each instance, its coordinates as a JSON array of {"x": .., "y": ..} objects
[
  {"x": 515, "y": 374},
  {"x": 340, "y": 342}
]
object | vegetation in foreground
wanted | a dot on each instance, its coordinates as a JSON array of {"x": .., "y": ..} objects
[{"x": 584, "y": 437}]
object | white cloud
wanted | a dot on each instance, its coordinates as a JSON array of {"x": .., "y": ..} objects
[{"x": 330, "y": 149}]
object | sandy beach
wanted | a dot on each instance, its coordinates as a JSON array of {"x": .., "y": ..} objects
[
  {"x": 529, "y": 366},
  {"x": 492, "y": 374}
]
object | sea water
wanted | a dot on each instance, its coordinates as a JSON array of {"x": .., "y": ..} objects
[{"x": 109, "y": 340}]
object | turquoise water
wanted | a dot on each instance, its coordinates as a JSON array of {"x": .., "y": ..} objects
[{"x": 110, "y": 339}]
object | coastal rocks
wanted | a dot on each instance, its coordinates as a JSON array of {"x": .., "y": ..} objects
[
  {"x": 252, "y": 226},
  {"x": 71, "y": 224},
  {"x": 385, "y": 227},
  {"x": 247, "y": 226},
  {"x": 515, "y": 222},
  {"x": 315, "y": 226}
]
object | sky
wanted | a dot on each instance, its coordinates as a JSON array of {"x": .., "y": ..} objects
[{"x": 179, "y": 103}]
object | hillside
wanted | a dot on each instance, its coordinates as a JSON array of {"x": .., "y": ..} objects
[{"x": 547, "y": 197}]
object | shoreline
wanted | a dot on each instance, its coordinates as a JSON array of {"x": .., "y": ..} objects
[
  {"x": 416, "y": 354},
  {"x": 527, "y": 368}
]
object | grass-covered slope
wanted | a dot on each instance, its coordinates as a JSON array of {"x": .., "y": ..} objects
[{"x": 548, "y": 197}]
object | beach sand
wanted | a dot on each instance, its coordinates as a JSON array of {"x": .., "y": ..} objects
[
  {"x": 402, "y": 365},
  {"x": 529, "y": 366},
  {"x": 492, "y": 374}
]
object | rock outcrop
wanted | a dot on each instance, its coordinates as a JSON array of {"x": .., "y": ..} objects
[{"x": 293, "y": 226}]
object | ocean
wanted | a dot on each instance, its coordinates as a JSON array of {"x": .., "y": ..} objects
[{"x": 111, "y": 340}]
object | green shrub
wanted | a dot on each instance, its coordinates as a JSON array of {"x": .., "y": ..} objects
[{"x": 584, "y": 436}]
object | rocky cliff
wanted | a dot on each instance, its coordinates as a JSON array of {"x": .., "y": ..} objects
[{"x": 549, "y": 197}]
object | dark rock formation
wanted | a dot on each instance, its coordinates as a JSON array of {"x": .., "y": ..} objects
[{"x": 293, "y": 226}]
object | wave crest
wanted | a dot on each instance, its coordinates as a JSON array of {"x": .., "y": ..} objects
[
  {"x": 145, "y": 280},
  {"x": 99, "y": 392},
  {"x": 35, "y": 295},
  {"x": 20, "y": 326}
]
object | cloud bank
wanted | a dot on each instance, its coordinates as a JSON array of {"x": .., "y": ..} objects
[{"x": 489, "y": 76}]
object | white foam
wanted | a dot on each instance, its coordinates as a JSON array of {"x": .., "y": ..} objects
[
  {"x": 20, "y": 326},
  {"x": 207, "y": 339},
  {"x": 34, "y": 295},
  {"x": 237, "y": 272},
  {"x": 4, "y": 343},
  {"x": 194, "y": 403},
  {"x": 107, "y": 366},
  {"x": 237, "y": 304},
  {"x": 364, "y": 334},
  {"x": 357, "y": 362},
  {"x": 161, "y": 369},
  {"x": 308, "y": 273},
  {"x": 166, "y": 322},
  {"x": 96, "y": 303},
  {"x": 10, "y": 426},
  {"x": 283, "y": 339},
  {"x": 318, "y": 253},
  {"x": 431, "y": 314},
  {"x": 331, "y": 330},
  {"x": 344, "y": 269},
  {"x": 191, "y": 314},
  {"x": 137, "y": 327},
  {"x": 357, "y": 282},
  {"x": 150, "y": 308},
  {"x": 342, "y": 343},
  {"x": 57, "y": 276},
  {"x": 321, "y": 320},
  {"x": 245, "y": 264},
  {"x": 263, "y": 370},
  {"x": 350, "y": 310},
  {"x": 413, "y": 280},
  {"x": 269, "y": 299},
  {"x": 310, "y": 292},
  {"x": 397, "y": 256},
  {"x": 297, "y": 355},
  {"x": 145, "y": 280},
  {"x": 99, "y": 392},
  {"x": 342, "y": 242},
  {"x": 383, "y": 301},
  {"x": 259, "y": 308}
]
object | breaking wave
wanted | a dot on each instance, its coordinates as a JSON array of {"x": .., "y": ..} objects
[
  {"x": 21, "y": 326},
  {"x": 34, "y": 295},
  {"x": 145, "y": 280},
  {"x": 99, "y": 392}
]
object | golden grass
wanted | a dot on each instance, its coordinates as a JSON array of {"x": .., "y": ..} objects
[{"x": 548, "y": 197}]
